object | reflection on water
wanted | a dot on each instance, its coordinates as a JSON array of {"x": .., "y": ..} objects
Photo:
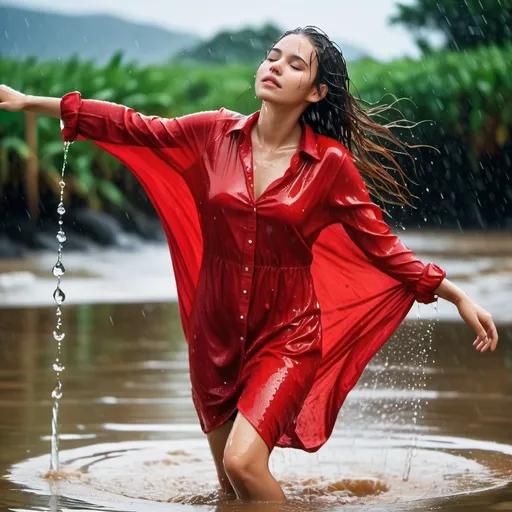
[{"x": 130, "y": 438}]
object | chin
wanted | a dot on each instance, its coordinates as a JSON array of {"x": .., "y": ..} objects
[{"x": 268, "y": 95}]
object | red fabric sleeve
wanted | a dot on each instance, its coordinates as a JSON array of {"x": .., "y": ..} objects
[
  {"x": 350, "y": 204},
  {"x": 106, "y": 122}
]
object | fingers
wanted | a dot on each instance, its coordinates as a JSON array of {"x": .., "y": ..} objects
[
  {"x": 487, "y": 335},
  {"x": 491, "y": 332},
  {"x": 481, "y": 339},
  {"x": 482, "y": 323},
  {"x": 481, "y": 344}
]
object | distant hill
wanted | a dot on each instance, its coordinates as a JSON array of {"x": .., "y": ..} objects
[
  {"x": 247, "y": 45},
  {"x": 49, "y": 36}
]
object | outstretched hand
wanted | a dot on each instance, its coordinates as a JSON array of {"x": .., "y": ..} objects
[
  {"x": 481, "y": 322},
  {"x": 11, "y": 100}
]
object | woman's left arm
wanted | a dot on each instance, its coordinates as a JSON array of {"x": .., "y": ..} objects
[{"x": 349, "y": 203}]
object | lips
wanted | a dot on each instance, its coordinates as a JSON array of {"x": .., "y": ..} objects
[{"x": 271, "y": 79}]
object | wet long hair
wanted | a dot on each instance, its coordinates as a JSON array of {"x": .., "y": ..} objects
[{"x": 340, "y": 116}]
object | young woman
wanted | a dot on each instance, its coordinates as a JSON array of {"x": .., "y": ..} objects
[{"x": 289, "y": 280}]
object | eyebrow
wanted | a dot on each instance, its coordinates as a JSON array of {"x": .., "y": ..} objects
[{"x": 296, "y": 56}]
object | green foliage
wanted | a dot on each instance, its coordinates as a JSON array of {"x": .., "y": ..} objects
[
  {"x": 465, "y": 24},
  {"x": 459, "y": 91},
  {"x": 467, "y": 95}
]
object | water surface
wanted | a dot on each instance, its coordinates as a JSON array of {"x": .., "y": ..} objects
[{"x": 428, "y": 427}]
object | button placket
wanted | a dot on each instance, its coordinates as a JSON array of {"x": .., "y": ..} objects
[
  {"x": 246, "y": 154},
  {"x": 247, "y": 267},
  {"x": 249, "y": 238}
]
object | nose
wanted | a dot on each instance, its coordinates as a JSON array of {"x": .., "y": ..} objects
[{"x": 275, "y": 68}]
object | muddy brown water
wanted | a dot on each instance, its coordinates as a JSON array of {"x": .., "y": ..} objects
[{"x": 428, "y": 427}]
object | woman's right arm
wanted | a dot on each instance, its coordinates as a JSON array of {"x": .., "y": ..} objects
[
  {"x": 103, "y": 121},
  {"x": 15, "y": 101},
  {"x": 43, "y": 105}
]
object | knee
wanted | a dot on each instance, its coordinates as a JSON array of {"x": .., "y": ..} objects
[{"x": 240, "y": 467}]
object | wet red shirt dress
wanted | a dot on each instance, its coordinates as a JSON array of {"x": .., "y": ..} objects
[{"x": 284, "y": 298}]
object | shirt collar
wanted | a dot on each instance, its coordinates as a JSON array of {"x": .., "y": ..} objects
[{"x": 308, "y": 143}]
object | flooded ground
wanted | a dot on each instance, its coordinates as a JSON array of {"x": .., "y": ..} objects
[{"x": 428, "y": 427}]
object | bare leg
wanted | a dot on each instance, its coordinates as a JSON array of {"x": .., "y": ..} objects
[
  {"x": 217, "y": 440},
  {"x": 246, "y": 464}
]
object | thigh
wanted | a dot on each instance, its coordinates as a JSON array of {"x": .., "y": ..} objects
[{"x": 246, "y": 444}]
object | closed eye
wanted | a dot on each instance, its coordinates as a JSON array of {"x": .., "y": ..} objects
[{"x": 291, "y": 65}]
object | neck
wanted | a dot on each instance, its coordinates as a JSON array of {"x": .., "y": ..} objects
[{"x": 278, "y": 127}]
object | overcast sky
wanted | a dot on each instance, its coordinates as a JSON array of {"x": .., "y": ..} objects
[{"x": 361, "y": 22}]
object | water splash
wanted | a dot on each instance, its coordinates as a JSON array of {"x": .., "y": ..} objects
[
  {"x": 59, "y": 297},
  {"x": 421, "y": 380}
]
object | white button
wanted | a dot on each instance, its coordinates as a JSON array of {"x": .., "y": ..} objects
[
  {"x": 247, "y": 269},
  {"x": 242, "y": 317},
  {"x": 250, "y": 241},
  {"x": 245, "y": 291},
  {"x": 254, "y": 209},
  {"x": 241, "y": 338}
]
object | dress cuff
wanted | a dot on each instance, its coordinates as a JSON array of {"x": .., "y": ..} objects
[
  {"x": 69, "y": 108},
  {"x": 430, "y": 280}
]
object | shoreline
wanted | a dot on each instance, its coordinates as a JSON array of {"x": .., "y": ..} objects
[{"x": 480, "y": 263}]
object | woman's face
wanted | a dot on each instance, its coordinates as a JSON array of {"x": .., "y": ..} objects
[{"x": 288, "y": 73}]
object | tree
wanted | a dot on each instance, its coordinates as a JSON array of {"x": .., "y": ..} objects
[
  {"x": 247, "y": 45},
  {"x": 464, "y": 23}
]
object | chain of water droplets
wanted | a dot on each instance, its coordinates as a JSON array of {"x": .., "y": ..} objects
[{"x": 58, "y": 335}]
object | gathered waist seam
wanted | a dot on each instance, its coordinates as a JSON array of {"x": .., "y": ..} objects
[{"x": 240, "y": 264}]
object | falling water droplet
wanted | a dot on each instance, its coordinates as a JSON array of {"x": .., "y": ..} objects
[
  {"x": 61, "y": 236},
  {"x": 57, "y": 393},
  {"x": 60, "y": 209},
  {"x": 58, "y": 336},
  {"x": 58, "y": 270},
  {"x": 59, "y": 296},
  {"x": 58, "y": 367}
]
